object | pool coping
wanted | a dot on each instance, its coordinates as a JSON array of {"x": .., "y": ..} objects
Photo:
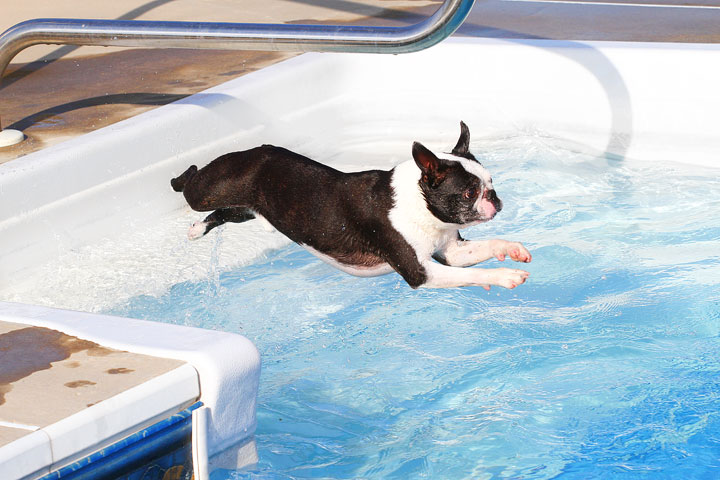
[
  {"x": 221, "y": 369},
  {"x": 71, "y": 383}
]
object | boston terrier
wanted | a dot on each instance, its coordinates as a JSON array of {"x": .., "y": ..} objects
[{"x": 364, "y": 223}]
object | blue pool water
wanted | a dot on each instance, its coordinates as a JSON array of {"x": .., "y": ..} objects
[{"x": 604, "y": 365}]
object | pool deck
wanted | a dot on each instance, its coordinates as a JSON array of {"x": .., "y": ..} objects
[
  {"x": 60, "y": 375},
  {"x": 83, "y": 391},
  {"x": 54, "y": 93},
  {"x": 63, "y": 398}
]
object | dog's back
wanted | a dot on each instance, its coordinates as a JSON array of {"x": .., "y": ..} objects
[{"x": 311, "y": 203}]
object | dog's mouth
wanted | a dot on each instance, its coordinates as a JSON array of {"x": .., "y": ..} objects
[{"x": 489, "y": 205}]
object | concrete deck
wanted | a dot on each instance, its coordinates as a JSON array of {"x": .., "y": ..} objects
[
  {"x": 53, "y": 93},
  {"x": 46, "y": 375}
]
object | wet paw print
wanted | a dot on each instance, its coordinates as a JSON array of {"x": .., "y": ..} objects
[
  {"x": 118, "y": 371},
  {"x": 79, "y": 383}
]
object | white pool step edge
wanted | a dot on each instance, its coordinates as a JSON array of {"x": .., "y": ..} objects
[
  {"x": 222, "y": 370},
  {"x": 74, "y": 437}
]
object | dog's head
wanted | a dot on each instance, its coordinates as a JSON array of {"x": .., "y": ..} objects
[{"x": 457, "y": 188}]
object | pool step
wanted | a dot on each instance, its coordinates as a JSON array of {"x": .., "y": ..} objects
[
  {"x": 82, "y": 395},
  {"x": 62, "y": 398}
]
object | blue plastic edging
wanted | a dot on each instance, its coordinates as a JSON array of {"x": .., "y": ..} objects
[{"x": 131, "y": 452}]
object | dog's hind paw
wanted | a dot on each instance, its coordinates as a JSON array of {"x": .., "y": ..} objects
[{"x": 197, "y": 230}]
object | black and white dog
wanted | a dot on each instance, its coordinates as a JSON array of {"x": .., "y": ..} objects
[{"x": 364, "y": 223}]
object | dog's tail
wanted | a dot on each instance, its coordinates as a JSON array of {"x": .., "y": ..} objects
[{"x": 178, "y": 183}]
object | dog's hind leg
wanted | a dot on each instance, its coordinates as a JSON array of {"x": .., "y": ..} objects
[{"x": 217, "y": 218}]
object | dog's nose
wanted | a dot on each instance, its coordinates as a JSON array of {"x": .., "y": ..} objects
[{"x": 492, "y": 197}]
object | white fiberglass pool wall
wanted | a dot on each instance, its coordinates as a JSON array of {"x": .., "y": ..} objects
[{"x": 640, "y": 102}]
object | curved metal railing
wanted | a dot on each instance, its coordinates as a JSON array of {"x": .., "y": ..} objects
[{"x": 235, "y": 36}]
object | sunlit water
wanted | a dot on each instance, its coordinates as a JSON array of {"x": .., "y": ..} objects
[{"x": 605, "y": 364}]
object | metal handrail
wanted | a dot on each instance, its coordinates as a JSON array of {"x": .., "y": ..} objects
[{"x": 235, "y": 36}]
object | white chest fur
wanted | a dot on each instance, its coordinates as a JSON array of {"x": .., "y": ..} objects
[{"x": 411, "y": 217}]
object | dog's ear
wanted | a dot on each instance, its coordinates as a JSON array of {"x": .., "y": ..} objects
[
  {"x": 463, "y": 143},
  {"x": 433, "y": 169}
]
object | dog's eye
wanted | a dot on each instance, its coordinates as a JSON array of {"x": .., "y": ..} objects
[{"x": 470, "y": 193}]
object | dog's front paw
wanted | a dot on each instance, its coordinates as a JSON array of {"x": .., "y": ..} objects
[
  {"x": 515, "y": 250},
  {"x": 508, "y": 277}
]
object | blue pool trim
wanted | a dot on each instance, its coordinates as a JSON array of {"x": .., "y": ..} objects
[{"x": 132, "y": 452}]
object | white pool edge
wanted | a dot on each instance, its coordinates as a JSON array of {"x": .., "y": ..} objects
[
  {"x": 640, "y": 102},
  {"x": 222, "y": 370},
  {"x": 76, "y": 436}
]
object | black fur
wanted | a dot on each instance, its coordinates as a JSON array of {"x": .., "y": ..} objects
[
  {"x": 453, "y": 191},
  {"x": 462, "y": 148},
  {"x": 178, "y": 184},
  {"x": 223, "y": 215},
  {"x": 354, "y": 227},
  {"x": 346, "y": 216}
]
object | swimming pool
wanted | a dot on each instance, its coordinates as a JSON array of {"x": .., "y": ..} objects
[
  {"x": 606, "y": 161},
  {"x": 604, "y": 364}
]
